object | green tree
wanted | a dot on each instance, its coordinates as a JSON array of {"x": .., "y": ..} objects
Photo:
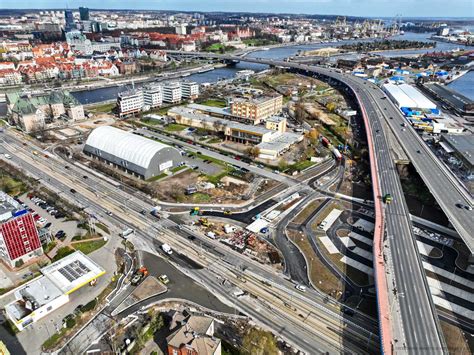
[
  {"x": 259, "y": 342},
  {"x": 282, "y": 164}
]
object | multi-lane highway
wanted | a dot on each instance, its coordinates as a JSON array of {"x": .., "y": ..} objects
[{"x": 311, "y": 324}]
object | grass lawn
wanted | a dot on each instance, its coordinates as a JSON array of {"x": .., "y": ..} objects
[
  {"x": 90, "y": 246},
  {"x": 104, "y": 108},
  {"x": 214, "y": 140},
  {"x": 301, "y": 165},
  {"x": 200, "y": 197},
  {"x": 103, "y": 227},
  {"x": 179, "y": 168},
  {"x": 174, "y": 127},
  {"x": 214, "y": 103},
  {"x": 306, "y": 212},
  {"x": 157, "y": 177},
  {"x": 11, "y": 186}
]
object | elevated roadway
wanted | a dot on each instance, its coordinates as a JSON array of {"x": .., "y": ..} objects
[{"x": 407, "y": 315}]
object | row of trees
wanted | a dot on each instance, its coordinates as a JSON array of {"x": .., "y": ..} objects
[{"x": 386, "y": 45}]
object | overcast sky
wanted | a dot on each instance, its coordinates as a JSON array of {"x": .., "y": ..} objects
[{"x": 408, "y": 8}]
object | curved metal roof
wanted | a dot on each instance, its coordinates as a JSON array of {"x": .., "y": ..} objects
[{"x": 124, "y": 145}]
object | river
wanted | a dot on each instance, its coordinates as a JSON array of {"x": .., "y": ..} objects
[{"x": 110, "y": 93}]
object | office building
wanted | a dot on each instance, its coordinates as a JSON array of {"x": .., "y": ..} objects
[
  {"x": 189, "y": 90},
  {"x": 130, "y": 102},
  {"x": 69, "y": 21},
  {"x": 257, "y": 109},
  {"x": 276, "y": 123},
  {"x": 19, "y": 240},
  {"x": 152, "y": 96},
  {"x": 139, "y": 156},
  {"x": 84, "y": 13},
  {"x": 172, "y": 92}
]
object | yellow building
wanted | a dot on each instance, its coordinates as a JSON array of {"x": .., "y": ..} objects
[
  {"x": 276, "y": 123},
  {"x": 258, "y": 109}
]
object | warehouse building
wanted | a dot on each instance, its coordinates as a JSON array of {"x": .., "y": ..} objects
[
  {"x": 139, "y": 156},
  {"x": 462, "y": 146},
  {"x": 409, "y": 100},
  {"x": 458, "y": 102},
  {"x": 37, "y": 298}
]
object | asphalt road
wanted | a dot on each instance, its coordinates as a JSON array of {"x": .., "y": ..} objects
[{"x": 126, "y": 213}]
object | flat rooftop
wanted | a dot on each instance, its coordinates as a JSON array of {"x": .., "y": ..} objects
[
  {"x": 72, "y": 272},
  {"x": 34, "y": 294},
  {"x": 454, "y": 98},
  {"x": 8, "y": 206},
  {"x": 463, "y": 144}
]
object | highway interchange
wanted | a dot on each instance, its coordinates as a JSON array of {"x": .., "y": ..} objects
[{"x": 413, "y": 318}]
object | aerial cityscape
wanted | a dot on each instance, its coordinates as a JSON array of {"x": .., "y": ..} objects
[{"x": 261, "y": 177}]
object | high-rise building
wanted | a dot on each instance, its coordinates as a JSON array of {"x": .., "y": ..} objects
[
  {"x": 69, "y": 21},
  {"x": 84, "y": 13},
  {"x": 19, "y": 240}
]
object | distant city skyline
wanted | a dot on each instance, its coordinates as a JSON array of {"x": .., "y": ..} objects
[{"x": 385, "y": 8}]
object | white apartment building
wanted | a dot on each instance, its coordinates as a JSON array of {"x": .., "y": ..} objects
[
  {"x": 153, "y": 96},
  {"x": 130, "y": 102},
  {"x": 172, "y": 92},
  {"x": 189, "y": 90}
]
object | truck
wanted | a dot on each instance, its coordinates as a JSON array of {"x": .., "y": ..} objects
[
  {"x": 167, "y": 249},
  {"x": 126, "y": 232},
  {"x": 139, "y": 275},
  {"x": 155, "y": 211},
  {"x": 387, "y": 198}
]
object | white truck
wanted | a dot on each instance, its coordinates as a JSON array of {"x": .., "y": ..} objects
[
  {"x": 167, "y": 249},
  {"x": 126, "y": 232}
]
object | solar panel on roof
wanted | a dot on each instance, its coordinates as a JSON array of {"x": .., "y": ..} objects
[{"x": 74, "y": 270}]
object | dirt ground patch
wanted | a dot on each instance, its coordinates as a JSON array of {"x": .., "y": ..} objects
[
  {"x": 321, "y": 277},
  {"x": 458, "y": 342}
]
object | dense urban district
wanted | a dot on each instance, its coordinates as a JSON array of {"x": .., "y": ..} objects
[{"x": 232, "y": 183}]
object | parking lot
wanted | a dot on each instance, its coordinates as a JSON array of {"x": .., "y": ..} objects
[{"x": 57, "y": 224}]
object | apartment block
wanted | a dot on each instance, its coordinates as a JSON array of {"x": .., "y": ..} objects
[{"x": 19, "y": 240}]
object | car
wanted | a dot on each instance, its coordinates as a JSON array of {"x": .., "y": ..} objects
[
  {"x": 66, "y": 167},
  {"x": 459, "y": 205},
  {"x": 85, "y": 177},
  {"x": 47, "y": 225},
  {"x": 418, "y": 151},
  {"x": 73, "y": 191},
  {"x": 301, "y": 288},
  {"x": 108, "y": 213},
  {"x": 467, "y": 207},
  {"x": 391, "y": 117},
  {"x": 191, "y": 237},
  {"x": 53, "y": 212},
  {"x": 164, "y": 279},
  {"x": 59, "y": 215},
  {"x": 143, "y": 212},
  {"x": 7, "y": 156}
]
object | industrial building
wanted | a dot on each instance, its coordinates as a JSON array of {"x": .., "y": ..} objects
[
  {"x": 257, "y": 109},
  {"x": 462, "y": 146},
  {"x": 19, "y": 239},
  {"x": 456, "y": 101},
  {"x": 139, "y": 156},
  {"x": 272, "y": 143},
  {"x": 409, "y": 100},
  {"x": 37, "y": 298}
]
